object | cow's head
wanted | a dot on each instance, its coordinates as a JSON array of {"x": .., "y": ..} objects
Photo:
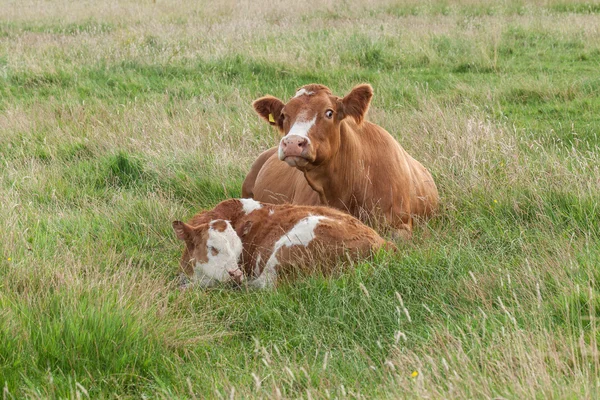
[
  {"x": 310, "y": 122},
  {"x": 213, "y": 249}
]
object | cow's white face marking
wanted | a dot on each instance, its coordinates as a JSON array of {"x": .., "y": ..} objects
[
  {"x": 303, "y": 92},
  {"x": 250, "y": 205},
  {"x": 300, "y": 235},
  {"x": 302, "y": 126},
  {"x": 223, "y": 252}
]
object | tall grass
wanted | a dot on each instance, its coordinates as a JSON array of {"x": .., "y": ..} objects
[{"x": 117, "y": 118}]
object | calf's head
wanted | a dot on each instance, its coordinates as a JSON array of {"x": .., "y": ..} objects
[
  {"x": 213, "y": 249},
  {"x": 310, "y": 122}
]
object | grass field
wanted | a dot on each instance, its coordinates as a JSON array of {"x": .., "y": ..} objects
[{"x": 117, "y": 117}]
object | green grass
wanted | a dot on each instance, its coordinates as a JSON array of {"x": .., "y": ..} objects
[{"x": 116, "y": 121}]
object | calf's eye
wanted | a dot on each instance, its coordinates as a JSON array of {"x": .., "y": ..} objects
[
  {"x": 329, "y": 114},
  {"x": 213, "y": 251}
]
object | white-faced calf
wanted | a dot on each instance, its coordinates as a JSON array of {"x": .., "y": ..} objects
[{"x": 245, "y": 240}]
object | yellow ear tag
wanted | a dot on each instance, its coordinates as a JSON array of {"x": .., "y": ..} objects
[{"x": 271, "y": 119}]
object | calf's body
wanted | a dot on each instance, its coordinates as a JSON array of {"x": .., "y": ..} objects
[{"x": 270, "y": 242}]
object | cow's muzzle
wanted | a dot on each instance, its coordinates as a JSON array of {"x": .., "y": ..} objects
[{"x": 294, "y": 150}]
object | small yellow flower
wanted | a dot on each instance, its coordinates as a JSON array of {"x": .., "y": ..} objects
[
  {"x": 414, "y": 374},
  {"x": 9, "y": 258},
  {"x": 495, "y": 201}
]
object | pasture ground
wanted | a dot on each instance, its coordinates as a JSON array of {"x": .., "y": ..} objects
[{"x": 117, "y": 117}]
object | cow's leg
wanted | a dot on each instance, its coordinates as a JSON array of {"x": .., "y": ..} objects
[
  {"x": 266, "y": 280},
  {"x": 403, "y": 232},
  {"x": 401, "y": 220}
]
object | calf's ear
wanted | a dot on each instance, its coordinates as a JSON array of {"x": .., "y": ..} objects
[
  {"x": 182, "y": 230},
  {"x": 244, "y": 229},
  {"x": 269, "y": 108},
  {"x": 356, "y": 103}
]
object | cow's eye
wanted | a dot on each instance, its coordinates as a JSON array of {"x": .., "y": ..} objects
[
  {"x": 329, "y": 114},
  {"x": 213, "y": 251}
]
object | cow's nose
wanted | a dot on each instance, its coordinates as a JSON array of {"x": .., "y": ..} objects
[{"x": 293, "y": 145}]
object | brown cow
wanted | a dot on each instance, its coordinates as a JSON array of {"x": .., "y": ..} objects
[
  {"x": 346, "y": 163},
  {"x": 244, "y": 240}
]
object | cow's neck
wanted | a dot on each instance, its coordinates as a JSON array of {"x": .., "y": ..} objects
[{"x": 334, "y": 180}]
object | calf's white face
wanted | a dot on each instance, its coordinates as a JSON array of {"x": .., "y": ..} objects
[
  {"x": 223, "y": 250},
  {"x": 213, "y": 249}
]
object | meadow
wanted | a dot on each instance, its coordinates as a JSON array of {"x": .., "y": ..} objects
[{"x": 118, "y": 117}]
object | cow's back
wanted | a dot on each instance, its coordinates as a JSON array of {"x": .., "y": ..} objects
[{"x": 257, "y": 165}]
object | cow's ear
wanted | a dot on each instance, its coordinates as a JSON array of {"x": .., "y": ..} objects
[
  {"x": 183, "y": 230},
  {"x": 269, "y": 108},
  {"x": 356, "y": 103},
  {"x": 244, "y": 228}
]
